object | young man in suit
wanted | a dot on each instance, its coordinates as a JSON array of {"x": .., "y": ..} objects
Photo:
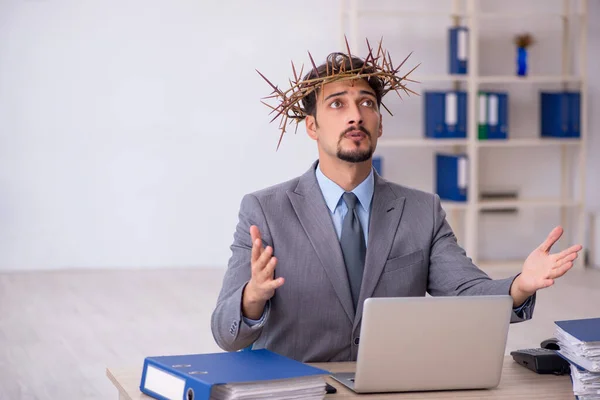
[{"x": 308, "y": 252}]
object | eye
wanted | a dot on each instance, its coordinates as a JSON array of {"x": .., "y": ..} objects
[
  {"x": 368, "y": 103},
  {"x": 335, "y": 104}
]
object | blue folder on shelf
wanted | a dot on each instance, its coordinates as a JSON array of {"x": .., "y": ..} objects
[
  {"x": 168, "y": 377},
  {"x": 560, "y": 114},
  {"x": 445, "y": 114},
  {"x": 497, "y": 115},
  {"x": 377, "y": 164},
  {"x": 458, "y": 39},
  {"x": 451, "y": 176},
  {"x": 574, "y": 114}
]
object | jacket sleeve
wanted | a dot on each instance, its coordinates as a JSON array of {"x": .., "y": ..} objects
[
  {"x": 452, "y": 273},
  {"x": 229, "y": 329}
]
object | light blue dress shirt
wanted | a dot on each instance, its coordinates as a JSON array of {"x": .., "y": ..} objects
[{"x": 332, "y": 193}]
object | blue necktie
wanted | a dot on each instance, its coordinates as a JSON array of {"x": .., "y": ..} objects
[{"x": 353, "y": 246}]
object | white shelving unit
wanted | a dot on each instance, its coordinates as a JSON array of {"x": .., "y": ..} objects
[{"x": 467, "y": 13}]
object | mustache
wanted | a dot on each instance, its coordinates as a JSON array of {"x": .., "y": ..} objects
[{"x": 357, "y": 128}]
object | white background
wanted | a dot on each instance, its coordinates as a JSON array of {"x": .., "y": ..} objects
[{"x": 130, "y": 130}]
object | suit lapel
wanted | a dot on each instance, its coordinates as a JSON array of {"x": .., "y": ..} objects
[
  {"x": 385, "y": 216},
  {"x": 309, "y": 205}
]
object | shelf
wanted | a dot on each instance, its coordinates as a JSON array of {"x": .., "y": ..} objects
[
  {"x": 448, "y": 205},
  {"x": 564, "y": 199},
  {"x": 496, "y": 204},
  {"x": 515, "y": 265},
  {"x": 528, "y": 15},
  {"x": 440, "y": 78},
  {"x": 384, "y": 143},
  {"x": 526, "y": 203},
  {"x": 483, "y": 15},
  {"x": 405, "y": 14},
  {"x": 422, "y": 142},
  {"x": 497, "y": 78},
  {"x": 528, "y": 79},
  {"x": 528, "y": 142}
]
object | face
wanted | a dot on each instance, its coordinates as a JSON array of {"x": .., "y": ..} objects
[{"x": 347, "y": 123}]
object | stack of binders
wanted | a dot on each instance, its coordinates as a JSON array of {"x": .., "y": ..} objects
[
  {"x": 445, "y": 114},
  {"x": 256, "y": 374},
  {"x": 560, "y": 114},
  {"x": 579, "y": 342},
  {"x": 493, "y": 115}
]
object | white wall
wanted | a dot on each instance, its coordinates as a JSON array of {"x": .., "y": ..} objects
[{"x": 129, "y": 130}]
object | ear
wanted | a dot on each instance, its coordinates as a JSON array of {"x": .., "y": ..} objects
[
  {"x": 380, "y": 126},
  {"x": 311, "y": 127}
]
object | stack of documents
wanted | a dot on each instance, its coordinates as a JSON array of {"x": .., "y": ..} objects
[
  {"x": 257, "y": 374},
  {"x": 579, "y": 342},
  {"x": 297, "y": 388}
]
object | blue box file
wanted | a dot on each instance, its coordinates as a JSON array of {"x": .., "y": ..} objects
[
  {"x": 445, "y": 114},
  {"x": 377, "y": 164},
  {"x": 458, "y": 39},
  {"x": 497, "y": 115},
  {"x": 452, "y": 176},
  {"x": 574, "y": 114},
  {"x": 560, "y": 114}
]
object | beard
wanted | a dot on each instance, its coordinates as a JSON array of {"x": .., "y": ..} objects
[{"x": 357, "y": 154}]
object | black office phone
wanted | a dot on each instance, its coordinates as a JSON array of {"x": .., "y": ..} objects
[{"x": 543, "y": 360}]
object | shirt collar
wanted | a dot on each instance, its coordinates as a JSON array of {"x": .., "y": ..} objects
[{"x": 332, "y": 192}]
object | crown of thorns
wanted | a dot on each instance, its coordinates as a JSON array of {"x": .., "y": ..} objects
[{"x": 376, "y": 64}]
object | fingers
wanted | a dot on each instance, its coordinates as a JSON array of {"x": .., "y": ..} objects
[
  {"x": 568, "y": 253},
  {"x": 560, "y": 271},
  {"x": 255, "y": 233},
  {"x": 257, "y": 248},
  {"x": 565, "y": 259},
  {"x": 261, "y": 262},
  {"x": 554, "y": 235},
  {"x": 275, "y": 283},
  {"x": 269, "y": 269},
  {"x": 547, "y": 283},
  {"x": 256, "y": 251}
]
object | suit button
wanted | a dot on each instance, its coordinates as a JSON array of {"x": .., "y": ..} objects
[{"x": 356, "y": 340}]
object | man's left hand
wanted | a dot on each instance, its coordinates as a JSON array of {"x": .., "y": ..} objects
[{"x": 541, "y": 268}]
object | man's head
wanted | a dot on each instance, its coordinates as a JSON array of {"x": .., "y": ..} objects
[
  {"x": 304, "y": 99},
  {"x": 335, "y": 63},
  {"x": 343, "y": 116}
]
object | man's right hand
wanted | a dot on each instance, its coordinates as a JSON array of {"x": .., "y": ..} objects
[{"x": 261, "y": 286}]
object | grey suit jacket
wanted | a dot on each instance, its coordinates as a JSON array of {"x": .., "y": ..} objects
[{"x": 411, "y": 250}]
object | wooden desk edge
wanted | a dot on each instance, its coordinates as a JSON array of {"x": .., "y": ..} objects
[{"x": 125, "y": 379}]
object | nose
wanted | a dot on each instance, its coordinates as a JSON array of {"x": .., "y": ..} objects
[{"x": 354, "y": 116}]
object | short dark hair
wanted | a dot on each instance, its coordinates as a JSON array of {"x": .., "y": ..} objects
[{"x": 335, "y": 63}]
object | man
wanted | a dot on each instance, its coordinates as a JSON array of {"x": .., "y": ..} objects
[{"x": 308, "y": 252}]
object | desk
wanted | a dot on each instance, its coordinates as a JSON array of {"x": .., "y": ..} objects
[{"x": 517, "y": 383}]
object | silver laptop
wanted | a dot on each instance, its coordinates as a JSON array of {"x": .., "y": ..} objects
[{"x": 430, "y": 343}]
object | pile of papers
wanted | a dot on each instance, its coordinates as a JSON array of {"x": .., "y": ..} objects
[
  {"x": 310, "y": 388},
  {"x": 586, "y": 385},
  {"x": 579, "y": 342}
]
